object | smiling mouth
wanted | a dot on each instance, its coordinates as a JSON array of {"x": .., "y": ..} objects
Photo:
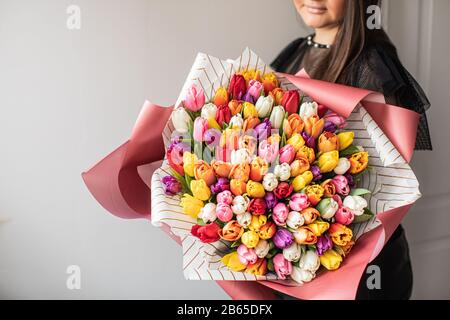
[{"x": 315, "y": 10}]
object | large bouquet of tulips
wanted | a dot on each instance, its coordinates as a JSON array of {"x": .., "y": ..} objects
[{"x": 270, "y": 174}]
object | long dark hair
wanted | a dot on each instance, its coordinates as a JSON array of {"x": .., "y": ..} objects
[{"x": 351, "y": 39}]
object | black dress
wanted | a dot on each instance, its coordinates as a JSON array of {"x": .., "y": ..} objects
[{"x": 378, "y": 70}]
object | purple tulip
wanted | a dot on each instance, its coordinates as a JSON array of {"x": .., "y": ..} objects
[
  {"x": 222, "y": 184},
  {"x": 263, "y": 129},
  {"x": 316, "y": 173},
  {"x": 249, "y": 98},
  {"x": 330, "y": 127},
  {"x": 171, "y": 185},
  {"x": 310, "y": 141},
  {"x": 323, "y": 244},
  {"x": 283, "y": 239},
  {"x": 350, "y": 180},
  {"x": 271, "y": 200}
]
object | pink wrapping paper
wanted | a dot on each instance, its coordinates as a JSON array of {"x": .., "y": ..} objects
[{"x": 117, "y": 183}]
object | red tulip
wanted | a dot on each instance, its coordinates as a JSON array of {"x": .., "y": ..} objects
[
  {"x": 237, "y": 87},
  {"x": 290, "y": 101}
]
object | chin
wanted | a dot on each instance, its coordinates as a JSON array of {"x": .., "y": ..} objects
[{"x": 314, "y": 21}]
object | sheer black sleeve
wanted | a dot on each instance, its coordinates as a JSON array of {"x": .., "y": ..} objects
[{"x": 381, "y": 71}]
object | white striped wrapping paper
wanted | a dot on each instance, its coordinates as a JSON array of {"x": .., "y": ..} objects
[{"x": 391, "y": 180}]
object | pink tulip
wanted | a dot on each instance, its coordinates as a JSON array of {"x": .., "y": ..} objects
[
  {"x": 280, "y": 214},
  {"x": 344, "y": 216},
  {"x": 224, "y": 212},
  {"x": 282, "y": 266},
  {"x": 200, "y": 127},
  {"x": 267, "y": 151},
  {"x": 287, "y": 154},
  {"x": 195, "y": 98},
  {"x": 225, "y": 197},
  {"x": 341, "y": 184},
  {"x": 338, "y": 199},
  {"x": 299, "y": 201},
  {"x": 254, "y": 88},
  {"x": 246, "y": 255},
  {"x": 337, "y": 120}
]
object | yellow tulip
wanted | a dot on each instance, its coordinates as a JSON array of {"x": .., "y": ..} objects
[
  {"x": 345, "y": 139},
  {"x": 257, "y": 222},
  {"x": 255, "y": 189},
  {"x": 221, "y": 97},
  {"x": 250, "y": 239},
  {"x": 191, "y": 206},
  {"x": 200, "y": 190},
  {"x": 189, "y": 160},
  {"x": 358, "y": 162},
  {"x": 296, "y": 141},
  {"x": 331, "y": 260},
  {"x": 249, "y": 110},
  {"x": 319, "y": 227},
  {"x": 302, "y": 180},
  {"x": 328, "y": 161},
  {"x": 232, "y": 261},
  {"x": 212, "y": 123}
]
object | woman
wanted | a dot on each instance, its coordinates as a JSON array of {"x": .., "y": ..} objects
[{"x": 343, "y": 50}]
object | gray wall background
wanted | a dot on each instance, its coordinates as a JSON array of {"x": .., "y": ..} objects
[{"x": 67, "y": 98}]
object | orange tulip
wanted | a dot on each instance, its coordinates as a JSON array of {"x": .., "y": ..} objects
[
  {"x": 258, "y": 168},
  {"x": 314, "y": 126},
  {"x": 300, "y": 165},
  {"x": 293, "y": 124},
  {"x": 358, "y": 162},
  {"x": 306, "y": 152},
  {"x": 340, "y": 234},
  {"x": 310, "y": 215},
  {"x": 328, "y": 141},
  {"x": 259, "y": 268},
  {"x": 305, "y": 235},
  {"x": 240, "y": 171},
  {"x": 269, "y": 81},
  {"x": 221, "y": 168},
  {"x": 232, "y": 231},
  {"x": 274, "y": 139},
  {"x": 250, "y": 123},
  {"x": 238, "y": 187},
  {"x": 277, "y": 95},
  {"x": 235, "y": 106},
  {"x": 221, "y": 96},
  {"x": 328, "y": 187},
  {"x": 315, "y": 193},
  {"x": 267, "y": 231},
  {"x": 204, "y": 171}
]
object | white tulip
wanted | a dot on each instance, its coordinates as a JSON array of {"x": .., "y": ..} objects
[
  {"x": 295, "y": 220},
  {"x": 240, "y": 204},
  {"x": 301, "y": 276},
  {"x": 181, "y": 120},
  {"x": 208, "y": 213},
  {"x": 293, "y": 252},
  {"x": 237, "y": 121},
  {"x": 270, "y": 182},
  {"x": 262, "y": 248},
  {"x": 360, "y": 148},
  {"x": 240, "y": 156},
  {"x": 308, "y": 109},
  {"x": 309, "y": 261},
  {"x": 329, "y": 211},
  {"x": 356, "y": 204},
  {"x": 343, "y": 166},
  {"x": 244, "y": 219},
  {"x": 277, "y": 117},
  {"x": 209, "y": 110},
  {"x": 282, "y": 171},
  {"x": 264, "y": 106}
]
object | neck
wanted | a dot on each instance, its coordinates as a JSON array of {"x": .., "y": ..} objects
[{"x": 326, "y": 35}]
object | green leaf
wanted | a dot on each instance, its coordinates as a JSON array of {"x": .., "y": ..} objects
[
  {"x": 366, "y": 216},
  {"x": 235, "y": 244},
  {"x": 348, "y": 151},
  {"x": 359, "y": 192},
  {"x": 200, "y": 222},
  {"x": 270, "y": 265}
]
